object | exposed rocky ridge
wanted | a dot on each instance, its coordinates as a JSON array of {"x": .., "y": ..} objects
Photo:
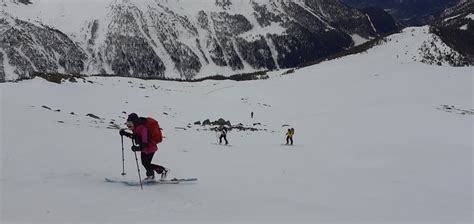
[
  {"x": 153, "y": 41},
  {"x": 435, "y": 52}
]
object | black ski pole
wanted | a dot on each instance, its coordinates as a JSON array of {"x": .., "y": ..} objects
[
  {"x": 139, "y": 176},
  {"x": 138, "y": 168},
  {"x": 123, "y": 160}
]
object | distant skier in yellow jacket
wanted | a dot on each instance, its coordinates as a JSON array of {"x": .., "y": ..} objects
[{"x": 289, "y": 136}]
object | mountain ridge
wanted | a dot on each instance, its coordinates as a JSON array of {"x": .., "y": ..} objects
[{"x": 161, "y": 39}]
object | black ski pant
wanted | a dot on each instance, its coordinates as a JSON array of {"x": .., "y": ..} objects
[
  {"x": 146, "y": 162},
  {"x": 225, "y": 138},
  {"x": 289, "y": 139}
]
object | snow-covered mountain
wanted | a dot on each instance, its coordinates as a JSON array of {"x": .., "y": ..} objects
[
  {"x": 176, "y": 39},
  {"x": 379, "y": 138},
  {"x": 26, "y": 48}
]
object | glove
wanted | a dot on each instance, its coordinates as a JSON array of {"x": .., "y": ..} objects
[
  {"x": 136, "y": 148},
  {"x": 136, "y": 138},
  {"x": 122, "y": 132}
]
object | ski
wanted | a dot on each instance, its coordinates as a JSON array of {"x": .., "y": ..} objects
[
  {"x": 228, "y": 145},
  {"x": 150, "y": 182}
]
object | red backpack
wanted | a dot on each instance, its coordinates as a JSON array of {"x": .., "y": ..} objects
[{"x": 154, "y": 132}]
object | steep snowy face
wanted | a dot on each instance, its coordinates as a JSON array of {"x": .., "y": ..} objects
[{"x": 185, "y": 39}]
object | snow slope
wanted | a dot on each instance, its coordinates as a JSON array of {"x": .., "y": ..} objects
[{"x": 379, "y": 139}]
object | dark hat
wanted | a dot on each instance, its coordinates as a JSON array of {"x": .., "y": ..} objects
[{"x": 133, "y": 117}]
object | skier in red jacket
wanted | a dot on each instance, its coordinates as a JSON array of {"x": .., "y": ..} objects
[{"x": 139, "y": 136}]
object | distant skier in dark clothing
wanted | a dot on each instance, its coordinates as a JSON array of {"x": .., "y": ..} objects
[
  {"x": 140, "y": 137},
  {"x": 251, "y": 114},
  {"x": 223, "y": 131},
  {"x": 289, "y": 136}
]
